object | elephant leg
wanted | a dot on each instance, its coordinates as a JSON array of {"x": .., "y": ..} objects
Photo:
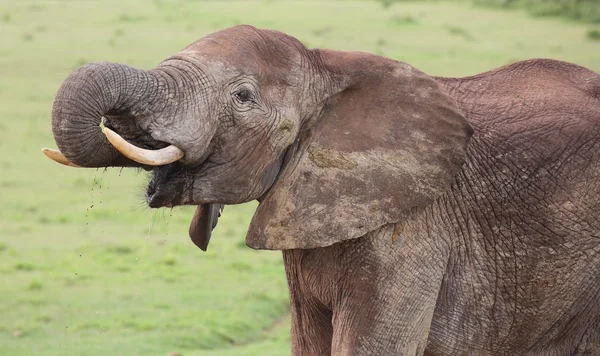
[
  {"x": 368, "y": 328},
  {"x": 311, "y": 319},
  {"x": 390, "y": 314},
  {"x": 374, "y": 295},
  {"x": 311, "y": 330}
]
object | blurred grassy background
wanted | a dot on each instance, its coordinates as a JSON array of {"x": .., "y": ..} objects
[
  {"x": 579, "y": 10},
  {"x": 86, "y": 268}
]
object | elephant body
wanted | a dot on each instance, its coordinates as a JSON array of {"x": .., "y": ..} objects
[
  {"x": 505, "y": 263},
  {"x": 416, "y": 215}
]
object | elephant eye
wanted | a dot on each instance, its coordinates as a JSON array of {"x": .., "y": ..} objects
[{"x": 243, "y": 95}]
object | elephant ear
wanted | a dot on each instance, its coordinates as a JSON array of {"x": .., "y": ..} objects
[{"x": 387, "y": 141}]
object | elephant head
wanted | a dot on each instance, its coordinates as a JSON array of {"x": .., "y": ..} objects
[{"x": 332, "y": 144}]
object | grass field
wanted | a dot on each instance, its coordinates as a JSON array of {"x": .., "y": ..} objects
[{"x": 85, "y": 267}]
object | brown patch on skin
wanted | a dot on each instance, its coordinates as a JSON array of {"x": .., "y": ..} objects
[
  {"x": 396, "y": 233},
  {"x": 286, "y": 125},
  {"x": 284, "y": 133},
  {"x": 375, "y": 206},
  {"x": 325, "y": 158}
]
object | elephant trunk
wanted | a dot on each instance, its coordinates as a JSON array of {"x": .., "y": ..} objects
[{"x": 91, "y": 92}]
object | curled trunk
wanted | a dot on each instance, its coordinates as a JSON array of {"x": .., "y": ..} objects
[{"x": 91, "y": 92}]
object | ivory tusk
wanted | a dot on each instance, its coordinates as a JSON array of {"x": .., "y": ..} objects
[
  {"x": 160, "y": 157},
  {"x": 56, "y": 156}
]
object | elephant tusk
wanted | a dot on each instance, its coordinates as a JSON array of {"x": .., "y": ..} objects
[
  {"x": 56, "y": 156},
  {"x": 160, "y": 157}
]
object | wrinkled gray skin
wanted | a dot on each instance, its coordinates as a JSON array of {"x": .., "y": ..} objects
[{"x": 392, "y": 246}]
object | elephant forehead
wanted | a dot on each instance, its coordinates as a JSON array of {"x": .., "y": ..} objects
[{"x": 249, "y": 50}]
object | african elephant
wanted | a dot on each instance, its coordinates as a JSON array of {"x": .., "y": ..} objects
[{"x": 416, "y": 215}]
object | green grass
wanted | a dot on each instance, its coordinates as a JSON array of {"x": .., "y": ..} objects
[
  {"x": 85, "y": 267},
  {"x": 594, "y": 34},
  {"x": 576, "y": 10}
]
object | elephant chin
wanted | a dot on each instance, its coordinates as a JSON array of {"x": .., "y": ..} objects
[{"x": 204, "y": 221}]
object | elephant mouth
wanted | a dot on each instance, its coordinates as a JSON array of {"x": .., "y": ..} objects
[
  {"x": 169, "y": 187},
  {"x": 173, "y": 185},
  {"x": 166, "y": 187},
  {"x": 170, "y": 184}
]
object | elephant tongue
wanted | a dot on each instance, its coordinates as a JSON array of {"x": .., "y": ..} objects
[{"x": 204, "y": 221}]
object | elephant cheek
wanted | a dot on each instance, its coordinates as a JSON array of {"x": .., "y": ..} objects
[{"x": 284, "y": 134}]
